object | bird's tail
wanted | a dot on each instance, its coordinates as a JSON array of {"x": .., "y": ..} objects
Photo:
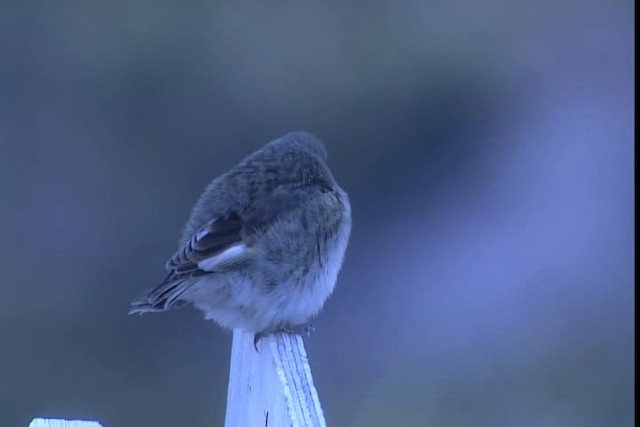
[{"x": 165, "y": 296}]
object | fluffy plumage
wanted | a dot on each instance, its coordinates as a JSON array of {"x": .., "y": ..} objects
[{"x": 264, "y": 243}]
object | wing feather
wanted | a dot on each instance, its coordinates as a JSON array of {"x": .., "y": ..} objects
[{"x": 215, "y": 247}]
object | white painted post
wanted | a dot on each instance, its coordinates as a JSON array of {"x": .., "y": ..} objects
[
  {"x": 50, "y": 422},
  {"x": 273, "y": 386}
]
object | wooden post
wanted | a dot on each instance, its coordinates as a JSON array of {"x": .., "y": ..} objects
[
  {"x": 272, "y": 386},
  {"x": 50, "y": 422}
]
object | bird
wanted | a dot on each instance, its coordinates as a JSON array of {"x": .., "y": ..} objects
[{"x": 264, "y": 243}]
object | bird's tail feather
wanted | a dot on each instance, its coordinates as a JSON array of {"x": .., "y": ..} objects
[{"x": 165, "y": 296}]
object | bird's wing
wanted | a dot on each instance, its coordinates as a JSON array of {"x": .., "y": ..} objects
[
  {"x": 223, "y": 242},
  {"x": 215, "y": 247}
]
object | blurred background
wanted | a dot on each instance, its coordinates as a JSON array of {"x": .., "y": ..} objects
[{"x": 487, "y": 148}]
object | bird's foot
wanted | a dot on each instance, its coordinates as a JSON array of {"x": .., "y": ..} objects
[{"x": 306, "y": 328}]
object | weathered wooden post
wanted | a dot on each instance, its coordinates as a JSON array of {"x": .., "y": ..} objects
[
  {"x": 51, "y": 422},
  {"x": 272, "y": 386}
]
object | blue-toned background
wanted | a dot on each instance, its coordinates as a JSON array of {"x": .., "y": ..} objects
[{"x": 487, "y": 148}]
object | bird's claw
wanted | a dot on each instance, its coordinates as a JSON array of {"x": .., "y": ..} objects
[{"x": 294, "y": 330}]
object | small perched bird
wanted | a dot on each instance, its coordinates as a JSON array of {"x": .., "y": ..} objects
[{"x": 264, "y": 243}]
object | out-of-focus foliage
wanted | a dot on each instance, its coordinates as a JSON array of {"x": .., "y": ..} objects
[{"x": 487, "y": 148}]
